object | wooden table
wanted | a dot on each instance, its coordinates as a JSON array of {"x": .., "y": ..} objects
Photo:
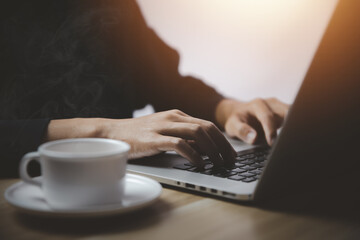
[{"x": 178, "y": 215}]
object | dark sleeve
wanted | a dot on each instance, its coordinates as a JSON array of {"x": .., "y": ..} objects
[
  {"x": 167, "y": 89},
  {"x": 17, "y": 138},
  {"x": 148, "y": 64},
  {"x": 159, "y": 80}
]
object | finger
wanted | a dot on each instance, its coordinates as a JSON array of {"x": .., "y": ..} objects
[
  {"x": 193, "y": 144},
  {"x": 174, "y": 114},
  {"x": 183, "y": 148},
  {"x": 278, "y": 107},
  {"x": 267, "y": 119},
  {"x": 236, "y": 128},
  {"x": 223, "y": 146},
  {"x": 192, "y": 131}
]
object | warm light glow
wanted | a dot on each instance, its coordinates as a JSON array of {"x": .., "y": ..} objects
[
  {"x": 246, "y": 48},
  {"x": 252, "y": 6}
]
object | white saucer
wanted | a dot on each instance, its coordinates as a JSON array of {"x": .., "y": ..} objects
[{"x": 139, "y": 192}]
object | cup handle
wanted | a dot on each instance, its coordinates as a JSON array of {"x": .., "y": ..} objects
[{"x": 23, "y": 168}]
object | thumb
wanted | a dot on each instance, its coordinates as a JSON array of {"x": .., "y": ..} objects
[{"x": 235, "y": 128}]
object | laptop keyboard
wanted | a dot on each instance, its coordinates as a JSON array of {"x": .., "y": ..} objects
[{"x": 247, "y": 168}]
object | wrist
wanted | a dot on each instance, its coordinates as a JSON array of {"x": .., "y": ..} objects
[{"x": 223, "y": 111}]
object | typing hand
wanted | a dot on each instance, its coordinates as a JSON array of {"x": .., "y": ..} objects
[
  {"x": 252, "y": 121},
  {"x": 172, "y": 131},
  {"x": 164, "y": 131}
]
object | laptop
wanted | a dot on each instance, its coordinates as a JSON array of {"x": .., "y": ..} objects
[{"x": 318, "y": 146}]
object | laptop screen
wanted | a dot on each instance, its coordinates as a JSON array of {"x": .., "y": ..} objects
[{"x": 317, "y": 148}]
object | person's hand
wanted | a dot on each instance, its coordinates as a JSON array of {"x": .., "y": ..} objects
[
  {"x": 164, "y": 131},
  {"x": 252, "y": 121}
]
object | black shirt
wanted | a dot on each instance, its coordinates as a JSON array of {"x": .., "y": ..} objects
[{"x": 65, "y": 59}]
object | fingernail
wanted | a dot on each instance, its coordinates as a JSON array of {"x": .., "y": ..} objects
[{"x": 250, "y": 137}]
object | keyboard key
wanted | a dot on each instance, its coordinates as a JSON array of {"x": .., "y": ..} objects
[
  {"x": 257, "y": 172},
  {"x": 212, "y": 171},
  {"x": 236, "y": 178},
  {"x": 238, "y": 170},
  {"x": 250, "y": 179},
  {"x": 208, "y": 166},
  {"x": 241, "y": 155},
  {"x": 247, "y": 174},
  {"x": 182, "y": 166},
  {"x": 225, "y": 174},
  {"x": 247, "y": 162},
  {"x": 256, "y": 165},
  {"x": 237, "y": 164},
  {"x": 248, "y": 168},
  {"x": 260, "y": 159},
  {"x": 240, "y": 158}
]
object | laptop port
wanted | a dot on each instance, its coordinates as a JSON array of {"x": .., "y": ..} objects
[
  {"x": 188, "y": 185},
  {"x": 203, "y": 188},
  {"x": 213, "y": 190},
  {"x": 228, "y": 194}
]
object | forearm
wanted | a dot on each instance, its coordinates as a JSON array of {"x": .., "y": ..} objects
[{"x": 74, "y": 128}]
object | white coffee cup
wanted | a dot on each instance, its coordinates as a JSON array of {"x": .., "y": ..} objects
[{"x": 79, "y": 173}]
